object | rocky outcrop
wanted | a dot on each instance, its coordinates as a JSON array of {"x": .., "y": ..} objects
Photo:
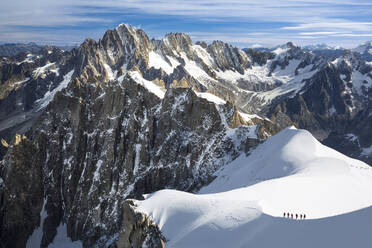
[
  {"x": 329, "y": 101},
  {"x": 228, "y": 57},
  {"x": 138, "y": 230},
  {"x": 312, "y": 109},
  {"x": 21, "y": 192},
  {"x": 259, "y": 57},
  {"x": 177, "y": 42},
  {"x": 356, "y": 139}
]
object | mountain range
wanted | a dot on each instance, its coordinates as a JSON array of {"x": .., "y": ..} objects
[
  {"x": 12, "y": 49},
  {"x": 84, "y": 130}
]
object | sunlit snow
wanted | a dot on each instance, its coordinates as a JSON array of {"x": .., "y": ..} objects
[
  {"x": 49, "y": 95},
  {"x": 157, "y": 61},
  {"x": 210, "y": 97},
  {"x": 243, "y": 207},
  {"x": 150, "y": 86}
]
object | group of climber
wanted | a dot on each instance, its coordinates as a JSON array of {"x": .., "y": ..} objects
[{"x": 294, "y": 216}]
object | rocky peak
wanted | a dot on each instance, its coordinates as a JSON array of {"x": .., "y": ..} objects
[
  {"x": 259, "y": 57},
  {"x": 363, "y": 48},
  {"x": 229, "y": 57},
  {"x": 295, "y": 52},
  {"x": 294, "y": 56},
  {"x": 179, "y": 42},
  {"x": 288, "y": 49},
  {"x": 117, "y": 52},
  {"x": 291, "y": 45},
  {"x": 138, "y": 229},
  {"x": 203, "y": 44},
  {"x": 349, "y": 62},
  {"x": 130, "y": 34}
]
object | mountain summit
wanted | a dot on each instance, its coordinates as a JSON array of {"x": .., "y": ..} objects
[{"x": 365, "y": 50}]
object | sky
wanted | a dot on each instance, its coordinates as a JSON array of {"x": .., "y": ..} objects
[{"x": 243, "y": 23}]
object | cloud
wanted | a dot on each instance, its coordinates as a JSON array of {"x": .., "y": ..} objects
[
  {"x": 340, "y": 25},
  {"x": 353, "y": 35},
  {"x": 264, "y": 10},
  {"x": 42, "y": 12},
  {"x": 335, "y": 30},
  {"x": 270, "y": 20},
  {"x": 318, "y": 33},
  {"x": 334, "y": 34}
]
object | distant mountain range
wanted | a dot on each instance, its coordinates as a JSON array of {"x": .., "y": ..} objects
[{"x": 12, "y": 49}]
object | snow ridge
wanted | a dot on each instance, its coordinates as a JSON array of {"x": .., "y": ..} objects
[{"x": 290, "y": 173}]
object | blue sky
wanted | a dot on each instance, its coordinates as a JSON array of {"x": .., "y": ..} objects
[{"x": 243, "y": 23}]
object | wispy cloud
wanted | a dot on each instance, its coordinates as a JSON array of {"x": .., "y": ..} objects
[
  {"x": 336, "y": 25},
  {"x": 353, "y": 35},
  {"x": 318, "y": 33},
  {"x": 236, "y": 20}
]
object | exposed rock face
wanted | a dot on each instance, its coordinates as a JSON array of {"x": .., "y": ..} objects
[
  {"x": 21, "y": 192},
  {"x": 138, "y": 230},
  {"x": 228, "y": 57},
  {"x": 259, "y": 57},
  {"x": 331, "y": 102},
  {"x": 178, "y": 42},
  {"x": 357, "y": 137},
  {"x": 99, "y": 144},
  {"x": 312, "y": 109},
  {"x": 26, "y": 81},
  {"x": 132, "y": 115}
]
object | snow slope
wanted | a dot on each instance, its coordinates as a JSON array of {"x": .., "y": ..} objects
[
  {"x": 61, "y": 240},
  {"x": 243, "y": 207},
  {"x": 49, "y": 95},
  {"x": 210, "y": 97},
  {"x": 150, "y": 86},
  {"x": 157, "y": 61}
]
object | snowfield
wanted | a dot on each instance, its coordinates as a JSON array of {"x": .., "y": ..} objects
[
  {"x": 42, "y": 103},
  {"x": 150, "y": 86},
  {"x": 291, "y": 172}
]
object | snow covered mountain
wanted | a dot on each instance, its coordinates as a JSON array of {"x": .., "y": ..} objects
[
  {"x": 13, "y": 49},
  {"x": 325, "y": 50},
  {"x": 290, "y": 172},
  {"x": 28, "y": 83},
  {"x": 365, "y": 50},
  {"x": 127, "y": 115},
  {"x": 281, "y": 84},
  {"x": 321, "y": 46}
]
